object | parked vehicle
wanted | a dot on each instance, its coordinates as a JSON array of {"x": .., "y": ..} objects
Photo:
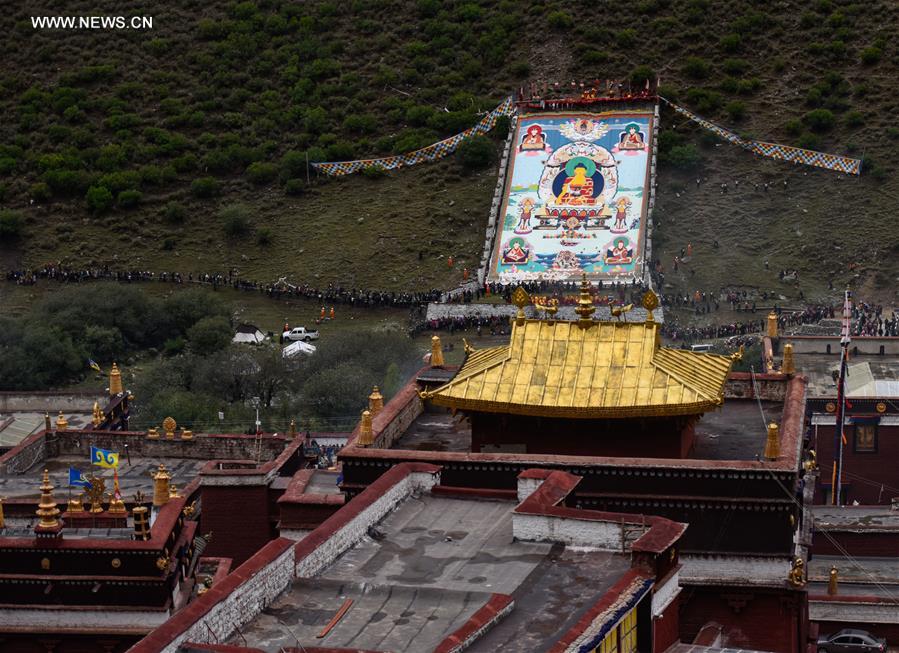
[
  {"x": 851, "y": 640},
  {"x": 300, "y": 334}
]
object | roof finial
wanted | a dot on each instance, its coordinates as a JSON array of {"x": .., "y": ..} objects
[
  {"x": 366, "y": 435},
  {"x": 47, "y": 509},
  {"x": 436, "y": 352},
  {"x": 650, "y": 302},
  {"x": 772, "y": 325},
  {"x": 61, "y": 422},
  {"x": 161, "y": 486},
  {"x": 772, "y": 445},
  {"x": 375, "y": 401},
  {"x": 115, "y": 381},
  {"x": 585, "y": 307},
  {"x": 833, "y": 581},
  {"x": 520, "y": 298},
  {"x": 788, "y": 366}
]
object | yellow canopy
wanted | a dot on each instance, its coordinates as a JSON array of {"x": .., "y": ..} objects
[{"x": 592, "y": 370}]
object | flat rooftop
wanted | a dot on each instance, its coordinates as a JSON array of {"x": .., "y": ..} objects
[
  {"x": 133, "y": 476},
  {"x": 424, "y": 570},
  {"x": 16, "y": 426},
  {"x": 736, "y": 431},
  {"x": 866, "y": 576},
  {"x": 862, "y": 518},
  {"x": 881, "y": 378}
]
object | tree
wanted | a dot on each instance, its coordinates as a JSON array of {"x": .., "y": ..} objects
[
  {"x": 11, "y": 225},
  {"x": 204, "y": 187},
  {"x": 236, "y": 220},
  {"x": 98, "y": 198},
  {"x": 476, "y": 153},
  {"x": 209, "y": 335},
  {"x": 129, "y": 198},
  {"x": 261, "y": 173}
]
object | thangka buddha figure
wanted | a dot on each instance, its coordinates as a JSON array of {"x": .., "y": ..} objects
[
  {"x": 631, "y": 138},
  {"x": 516, "y": 252},
  {"x": 534, "y": 139},
  {"x": 619, "y": 253},
  {"x": 577, "y": 189}
]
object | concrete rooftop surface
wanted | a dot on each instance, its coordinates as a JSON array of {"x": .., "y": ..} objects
[
  {"x": 428, "y": 567},
  {"x": 736, "y": 431},
  {"x": 132, "y": 477},
  {"x": 866, "y": 518},
  {"x": 818, "y": 368}
]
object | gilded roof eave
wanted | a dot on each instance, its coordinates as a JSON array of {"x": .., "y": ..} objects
[{"x": 602, "y": 370}]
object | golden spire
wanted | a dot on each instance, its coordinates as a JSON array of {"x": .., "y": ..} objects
[
  {"x": 115, "y": 381},
  {"x": 61, "y": 422},
  {"x": 46, "y": 509},
  {"x": 772, "y": 445},
  {"x": 161, "y": 486},
  {"x": 97, "y": 418},
  {"x": 436, "y": 352},
  {"x": 366, "y": 435},
  {"x": 650, "y": 302},
  {"x": 585, "y": 307},
  {"x": 375, "y": 401},
  {"x": 789, "y": 365},
  {"x": 772, "y": 324},
  {"x": 292, "y": 429},
  {"x": 833, "y": 581}
]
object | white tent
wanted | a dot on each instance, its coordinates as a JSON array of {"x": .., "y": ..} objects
[
  {"x": 297, "y": 348},
  {"x": 248, "y": 333}
]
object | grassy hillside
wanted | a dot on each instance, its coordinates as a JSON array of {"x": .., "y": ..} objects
[{"x": 184, "y": 147}]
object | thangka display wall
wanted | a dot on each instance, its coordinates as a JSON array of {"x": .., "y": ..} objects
[{"x": 577, "y": 190}]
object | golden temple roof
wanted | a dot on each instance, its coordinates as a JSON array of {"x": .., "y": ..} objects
[{"x": 592, "y": 370}]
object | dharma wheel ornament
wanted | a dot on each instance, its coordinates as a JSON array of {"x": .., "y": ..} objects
[
  {"x": 169, "y": 425},
  {"x": 520, "y": 298}
]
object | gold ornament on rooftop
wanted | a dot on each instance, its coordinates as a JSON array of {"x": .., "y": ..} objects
[
  {"x": 95, "y": 493},
  {"x": 375, "y": 401},
  {"x": 97, "y": 417},
  {"x": 436, "y": 352},
  {"x": 115, "y": 382},
  {"x": 796, "y": 576},
  {"x": 366, "y": 435},
  {"x": 585, "y": 308},
  {"x": 161, "y": 486},
  {"x": 61, "y": 422},
  {"x": 650, "y": 302},
  {"x": 47, "y": 509},
  {"x": 520, "y": 298},
  {"x": 169, "y": 425}
]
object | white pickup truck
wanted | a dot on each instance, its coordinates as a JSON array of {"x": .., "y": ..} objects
[{"x": 301, "y": 334}]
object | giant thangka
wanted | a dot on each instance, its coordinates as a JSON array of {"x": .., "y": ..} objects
[{"x": 576, "y": 197}]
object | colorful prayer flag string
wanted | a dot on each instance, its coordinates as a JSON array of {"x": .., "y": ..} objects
[
  {"x": 775, "y": 150},
  {"x": 432, "y": 152}
]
